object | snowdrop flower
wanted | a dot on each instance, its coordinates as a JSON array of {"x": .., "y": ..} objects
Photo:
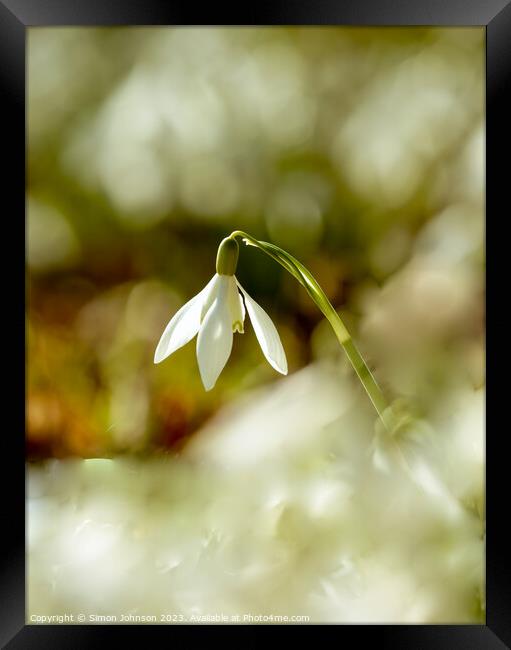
[{"x": 215, "y": 313}]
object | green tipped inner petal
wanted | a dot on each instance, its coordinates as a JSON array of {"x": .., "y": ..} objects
[{"x": 236, "y": 306}]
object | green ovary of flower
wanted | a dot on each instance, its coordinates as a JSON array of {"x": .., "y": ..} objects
[{"x": 227, "y": 257}]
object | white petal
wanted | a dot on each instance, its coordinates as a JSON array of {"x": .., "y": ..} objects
[
  {"x": 185, "y": 323},
  {"x": 236, "y": 307},
  {"x": 210, "y": 297},
  {"x": 266, "y": 333},
  {"x": 214, "y": 343}
]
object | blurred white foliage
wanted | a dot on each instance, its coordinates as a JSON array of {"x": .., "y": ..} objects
[
  {"x": 432, "y": 305},
  {"x": 282, "y": 417},
  {"x": 187, "y": 111},
  {"x": 175, "y": 126},
  {"x": 277, "y": 508},
  {"x": 404, "y": 120}
]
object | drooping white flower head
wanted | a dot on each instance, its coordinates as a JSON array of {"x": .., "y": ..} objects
[{"x": 215, "y": 313}]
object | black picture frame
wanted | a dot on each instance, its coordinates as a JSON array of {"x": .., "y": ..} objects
[{"x": 15, "y": 17}]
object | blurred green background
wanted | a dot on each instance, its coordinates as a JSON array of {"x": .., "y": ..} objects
[
  {"x": 361, "y": 152},
  {"x": 358, "y": 150}
]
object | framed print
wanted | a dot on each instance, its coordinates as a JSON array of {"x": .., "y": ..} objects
[{"x": 253, "y": 319}]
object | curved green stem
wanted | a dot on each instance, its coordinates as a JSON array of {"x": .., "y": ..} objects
[{"x": 310, "y": 284}]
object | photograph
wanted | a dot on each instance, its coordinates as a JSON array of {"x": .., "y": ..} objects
[{"x": 255, "y": 325}]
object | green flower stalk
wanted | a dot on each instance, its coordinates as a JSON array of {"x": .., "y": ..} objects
[
  {"x": 218, "y": 311},
  {"x": 310, "y": 284}
]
